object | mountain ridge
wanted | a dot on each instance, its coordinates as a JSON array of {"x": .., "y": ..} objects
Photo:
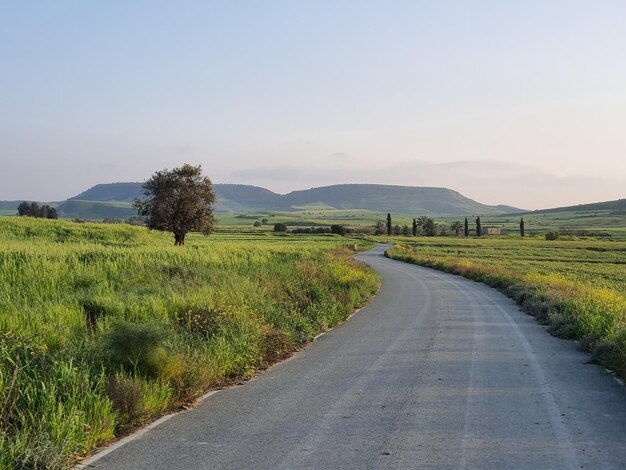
[
  {"x": 617, "y": 205},
  {"x": 376, "y": 197}
]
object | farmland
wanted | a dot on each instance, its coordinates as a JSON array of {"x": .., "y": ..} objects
[
  {"x": 577, "y": 287},
  {"x": 594, "y": 222},
  {"x": 104, "y": 327}
]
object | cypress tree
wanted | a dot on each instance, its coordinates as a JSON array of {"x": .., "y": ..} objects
[
  {"x": 414, "y": 228},
  {"x": 478, "y": 228},
  {"x": 388, "y": 223},
  {"x": 521, "y": 226},
  {"x": 466, "y": 228}
]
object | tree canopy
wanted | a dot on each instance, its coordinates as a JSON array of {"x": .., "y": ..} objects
[
  {"x": 178, "y": 201},
  {"x": 33, "y": 209},
  {"x": 456, "y": 227}
]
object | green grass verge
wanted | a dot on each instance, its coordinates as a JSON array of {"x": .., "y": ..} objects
[
  {"x": 578, "y": 288},
  {"x": 105, "y": 327}
]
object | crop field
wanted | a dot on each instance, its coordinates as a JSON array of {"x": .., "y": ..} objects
[
  {"x": 596, "y": 223},
  {"x": 599, "y": 223},
  {"x": 578, "y": 287},
  {"x": 104, "y": 327},
  {"x": 308, "y": 216}
]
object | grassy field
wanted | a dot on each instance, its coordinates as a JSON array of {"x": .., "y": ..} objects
[
  {"x": 578, "y": 287},
  {"x": 104, "y": 327},
  {"x": 594, "y": 223},
  {"x": 307, "y": 216},
  {"x": 597, "y": 223},
  {"x": 605, "y": 220}
]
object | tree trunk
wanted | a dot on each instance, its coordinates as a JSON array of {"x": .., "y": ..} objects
[{"x": 179, "y": 239}]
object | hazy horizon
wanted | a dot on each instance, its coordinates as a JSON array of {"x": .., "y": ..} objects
[{"x": 508, "y": 103}]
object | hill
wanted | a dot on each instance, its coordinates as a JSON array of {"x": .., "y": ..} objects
[
  {"x": 374, "y": 197},
  {"x": 93, "y": 210},
  {"x": 398, "y": 199},
  {"x": 230, "y": 197},
  {"x": 618, "y": 207}
]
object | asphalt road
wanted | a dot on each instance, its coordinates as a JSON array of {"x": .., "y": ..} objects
[{"x": 437, "y": 372}]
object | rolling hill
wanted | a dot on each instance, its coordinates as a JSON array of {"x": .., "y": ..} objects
[
  {"x": 237, "y": 198},
  {"x": 618, "y": 207}
]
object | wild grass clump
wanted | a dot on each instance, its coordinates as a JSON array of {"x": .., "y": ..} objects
[
  {"x": 106, "y": 327},
  {"x": 578, "y": 296},
  {"x": 52, "y": 407},
  {"x": 141, "y": 349}
]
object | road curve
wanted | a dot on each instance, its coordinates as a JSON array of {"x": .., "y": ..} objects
[{"x": 437, "y": 372}]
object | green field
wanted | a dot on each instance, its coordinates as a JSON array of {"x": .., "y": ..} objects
[
  {"x": 103, "y": 327},
  {"x": 601, "y": 220},
  {"x": 597, "y": 223},
  {"x": 306, "y": 218},
  {"x": 583, "y": 223},
  {"x": 578, "y": 287}
]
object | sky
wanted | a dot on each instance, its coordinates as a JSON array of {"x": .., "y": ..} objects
[{"x": 518, "y": 103}]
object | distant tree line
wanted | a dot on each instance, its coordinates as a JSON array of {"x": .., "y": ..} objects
[
  {"x": 335, "y": 229},
  {"x": 33, "y": 209},
  {"x": 311, "y": 230},
  {"x": 427, "y": 227},
  {"x": 423, "y": 226}
]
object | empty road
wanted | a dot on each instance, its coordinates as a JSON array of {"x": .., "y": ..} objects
[{"x": 437, "y": 372}]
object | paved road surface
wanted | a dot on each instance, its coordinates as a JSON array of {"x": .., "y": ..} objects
[{"x": 437, "y": 372}]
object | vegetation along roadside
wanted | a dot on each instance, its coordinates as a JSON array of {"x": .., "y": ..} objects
[
  {"x": 577, "y": 287},
  {"x": 104, "y": 327}
]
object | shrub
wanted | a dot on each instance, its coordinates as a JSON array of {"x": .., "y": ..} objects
[
  {"x": 276, "y": 346},
  {"x": 199, "y": 320},
  {"x": 338, "y": 230},
  {"x": 552, "y": 235},
  {"x": 126, "y": 394},
  {"x": 280, "y": 227},
  {"x": 140, "y": 348}
]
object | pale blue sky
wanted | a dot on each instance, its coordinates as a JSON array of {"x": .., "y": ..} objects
[{"x": 478, "y": 96}]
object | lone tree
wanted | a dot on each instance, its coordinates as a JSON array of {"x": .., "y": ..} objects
[
  {"x": 414, "y": 228},
  {"x": 421, "y": 223},
  {"x": 521, "y": 226},
  {"x": 456, "y": 227},
  {"x": 389, "y": 223},
  {"x": 478, "y": 228},
  {"x": 178, "y": 201},
  {"x": 466, "y": 228},
  {"x": 379, "y": 228},
  {"x": 430, "y": 228},
  {"x": 338, "y": 230}
]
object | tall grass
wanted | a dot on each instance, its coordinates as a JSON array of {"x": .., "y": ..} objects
[
  {"x": 105, "y": 327},
  {"x": 578, "y": 288}
]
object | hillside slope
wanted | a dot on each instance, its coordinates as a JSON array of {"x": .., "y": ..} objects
[
  {"x": 230, "y": 197},
  {"x": 618, "y": 206},
  {"x": 398, "y": 199},
  {"x": 374, "y": 197}
]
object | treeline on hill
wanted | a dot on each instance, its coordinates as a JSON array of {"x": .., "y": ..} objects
[{"x": 33, "y": 209}]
